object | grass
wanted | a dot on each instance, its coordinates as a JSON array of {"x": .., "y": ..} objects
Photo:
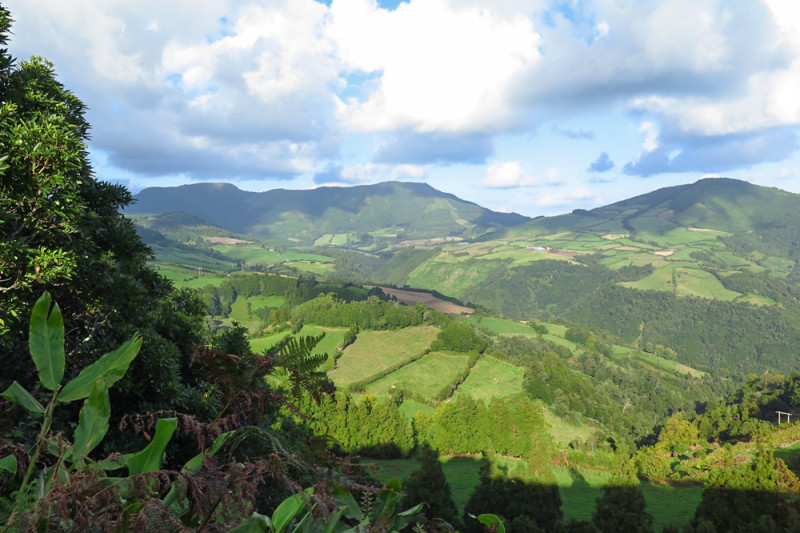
[
  {"x": 579, "y": 490},
  {"x": 462, "y": 474},
  {"x": 671, "y": 504},
  {"x": 333, "y": 338},
  {"x": 500, "y": 325},
  {"x": 426, "y": 376},
  {"x": 492, "y": 378},
  {"x": 375, "y": 351},
  {"x": 563, "y": 431}
]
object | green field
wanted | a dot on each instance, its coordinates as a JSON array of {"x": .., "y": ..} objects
[
  {"x": 462, "y": 474},
  {"x": 375, "y": 351},
  {"x": 500, "y": 325},
  {"x": 333, "y": 338},
  {"x": 426, "y": 376},
  {"x": 492, "y": 378}
]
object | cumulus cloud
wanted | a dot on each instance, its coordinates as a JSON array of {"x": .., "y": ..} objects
[
  {"x": 216, "y": 89},
  {"x": 511, "y": 174},
  {"x": 583, "y": 194},
  {"x": 445, "y": 66},
  {"x": 368, "y": 173},
  {"x": 602, "y": 164},
  {"x": 714, "y": 154}
]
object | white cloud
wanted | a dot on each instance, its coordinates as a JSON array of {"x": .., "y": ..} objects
[
  {"x": 565, "y": 199},
  {"x": 507, "y": 174},
  {"x": 444, "y": 67}
]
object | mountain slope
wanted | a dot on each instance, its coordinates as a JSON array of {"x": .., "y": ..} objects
[
  {"x": 761, "y": 218},
  {"x": 391, "y": 209}
]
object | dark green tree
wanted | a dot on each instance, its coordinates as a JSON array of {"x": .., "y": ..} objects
[
  {"x": 61, "y": 231},
  {"x": 429, "y": 485},
  {"x": 622, "y": 508}
]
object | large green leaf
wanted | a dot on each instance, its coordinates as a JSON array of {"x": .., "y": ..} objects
[
  {"x": 257, "y": 523},
  {"x": 8, "y": 464},
  {"x": 492, "y": 522},
  {"x": 110, "y": 367},
  {"x": 149, "y": 459},
  {"x": 93, "y": 423},
  {"x": 46, "y": 341},
  {"x": 288, "y": 510},
  {"x": 15, "y": 393}
]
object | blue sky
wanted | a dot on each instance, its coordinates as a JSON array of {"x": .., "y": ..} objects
[{"x": 533, "y": 106}]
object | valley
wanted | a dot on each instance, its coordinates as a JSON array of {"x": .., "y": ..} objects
[{"x": 591, "y": 319}]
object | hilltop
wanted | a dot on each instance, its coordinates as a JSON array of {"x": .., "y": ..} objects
[{"x": 393, "y": 211}]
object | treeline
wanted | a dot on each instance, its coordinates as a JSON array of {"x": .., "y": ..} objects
[
  {"x": 708, "y": 334},
  {"x": 627, "y": 397},
  {"x": 294, "y": 291},
  {"x": 515, "y": 427}
]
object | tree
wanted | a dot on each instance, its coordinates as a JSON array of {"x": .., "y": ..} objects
[
  {"x": 61, "y": 231},
  {"x": 622, "y": 508},
  {"x": 429, "y": 485}
]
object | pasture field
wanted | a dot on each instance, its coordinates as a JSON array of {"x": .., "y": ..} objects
[
  {"x": 690, "y": 282},
  {"x": 255, "y": 255},
  {"x": 462, "y": 474},
  {"x": 410, "y": 407},
  {"x": 333, "y": 338},
  {"x": 426, "y": 376},
  {"x": 375, "y": 351},
  {"x": 492, "y": 378},
  {"x": 200, "y": 282},
  {"x": 449, "y": 277},
  {"x": 500, "y": 325},
  {"x": 563, "y": 431},
  {"x": 312, "y": 267},
  {"x": 656, "y": 361},
  {"x": 670, "y": 504},
  {"x": 258, "y": 302}
]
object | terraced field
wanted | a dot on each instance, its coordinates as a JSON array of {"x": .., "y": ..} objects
[
  {"x": 426, "y": 376},
  {"x": 376, "y": 351},
  {"x": 492, "y": 378}
]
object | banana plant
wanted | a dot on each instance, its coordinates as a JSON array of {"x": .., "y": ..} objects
[
  {"x": 293, "y": 515},
  {"x": 46, "y": 345}
]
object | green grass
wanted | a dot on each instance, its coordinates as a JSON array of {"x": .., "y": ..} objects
[
  {"x": 579, "y": 489},
  {"x": 426, "y": 376},
  {"x": 375, "y": 351},
  {"x": 563, "y": 431},
  {"x": 199, "y": 283},
  {"x": 257, "y": 302},
  {"x": 492, "y": 378},
  {"x": 333, "y": 338},
  {"x": 671, "y": 504},
  {"x": 409, "y": 408},
  {"x": 500, "y": 325},
  {"x": 462, "y": 474},
  {"x": 690, "y": 282}
]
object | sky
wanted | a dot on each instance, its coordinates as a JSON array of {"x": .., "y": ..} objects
[{"x": 532, "y": 106}]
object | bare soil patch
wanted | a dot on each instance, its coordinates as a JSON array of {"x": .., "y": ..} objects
[
  {"x": 428, "y": 299},
  {"x": 435, "y": 240},
  {"x": 664, "y": 253},
  {"x": 226, "y": 240},
  {"x": 563, "y": 253},
  {"x": 704, "y": 230}
]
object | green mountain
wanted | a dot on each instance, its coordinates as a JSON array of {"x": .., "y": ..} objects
[
  {"x": 762, "y": 219},
  {"x": 339, "y": 215},
  {"x": 709, "y": 269}
]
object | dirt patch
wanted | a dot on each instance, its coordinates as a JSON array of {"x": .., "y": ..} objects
[
  {"x": 704, "y": 230},
  {"x": 226, "y": 240},
  {"x": 626, "y": 248},
  {"x": 435, "y": 240},
  {"x": 664, "y": 253},
  {"x": 428, "y": 299},
  {"x": 563, "y": 253}
]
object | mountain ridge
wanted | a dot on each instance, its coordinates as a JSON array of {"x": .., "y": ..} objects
[{"x": 415, "y": 210}]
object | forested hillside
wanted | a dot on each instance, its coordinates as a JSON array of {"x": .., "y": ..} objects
[{"x": 358, "y": 215}]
